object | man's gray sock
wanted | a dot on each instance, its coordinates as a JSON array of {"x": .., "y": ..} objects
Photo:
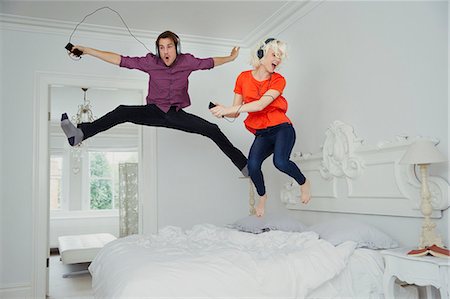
[
  {"x": 74, "y": 135},
  {"x": 244, "y": 171}
]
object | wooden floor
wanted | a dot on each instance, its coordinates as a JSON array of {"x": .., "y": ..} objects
[{"x": 78, "y": 286}]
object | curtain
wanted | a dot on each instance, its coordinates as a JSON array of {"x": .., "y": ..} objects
[{"x": 128, "y": 199}]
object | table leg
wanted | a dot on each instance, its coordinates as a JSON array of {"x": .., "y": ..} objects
[{"x": 388, "y": 285}]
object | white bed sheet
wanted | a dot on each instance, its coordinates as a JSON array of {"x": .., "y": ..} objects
[
  {"x": 214, "y": 262},
  {"x": 361, "y": 278}
]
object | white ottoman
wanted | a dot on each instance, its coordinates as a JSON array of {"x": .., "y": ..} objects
[{"x": 77, "y": 249}]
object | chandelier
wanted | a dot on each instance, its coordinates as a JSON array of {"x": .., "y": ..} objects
[{"x": 84, "y": 114}]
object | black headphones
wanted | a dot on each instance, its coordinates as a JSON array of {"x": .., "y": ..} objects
[
  {"x": 260, "y": 52},
  {"x": 177, "y": 44}
]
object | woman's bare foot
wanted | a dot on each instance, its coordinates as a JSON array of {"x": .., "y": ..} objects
[
  {"x": 305, "y": 191},
  {"x": 261, "y": 206}
]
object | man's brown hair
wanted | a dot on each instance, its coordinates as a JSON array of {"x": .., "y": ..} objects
[{"x": 172, "y": 36}]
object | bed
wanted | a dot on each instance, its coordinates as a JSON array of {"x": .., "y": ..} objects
[
  {"x": 216, "y": 262},
  {"x": 278, "y": 256}
]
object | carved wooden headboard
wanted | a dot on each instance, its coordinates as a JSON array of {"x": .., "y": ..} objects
[{"x": 349, "y": 176}]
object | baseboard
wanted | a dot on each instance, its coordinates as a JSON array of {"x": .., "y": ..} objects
[{"x": 15, "y": 291}]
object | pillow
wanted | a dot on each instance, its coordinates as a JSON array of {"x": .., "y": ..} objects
[
  {"x": 340, "y": 230},
  {"x": 270, "y": 221},
  {"x": 284, "y": 223},
  {"x": 251, "y": 224}
]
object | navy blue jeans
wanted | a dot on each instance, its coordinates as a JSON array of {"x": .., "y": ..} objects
[
  {"x": 151, "y": 115},
  {"x": 279, "y": 141}
]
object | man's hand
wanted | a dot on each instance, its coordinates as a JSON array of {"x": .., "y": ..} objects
[
  {"x": 77, "y": 51},
  {"x": 234, "y": 53},
  {"x": 221, "y": 60},
  {"x": 81, "y": 48}
]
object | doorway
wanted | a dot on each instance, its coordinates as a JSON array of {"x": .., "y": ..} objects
[
  {"x": 48, "y": 85},
  {"x": 86, "y": 181}
]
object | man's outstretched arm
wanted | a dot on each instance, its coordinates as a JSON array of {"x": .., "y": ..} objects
[
  {"x": 110, "y": 57},
  {"x": 221, "y": 60}
]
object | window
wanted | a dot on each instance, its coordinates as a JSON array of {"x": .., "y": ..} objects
[
  {"x": 104, "y": 177},
  {"x": 56, "y": 167}
]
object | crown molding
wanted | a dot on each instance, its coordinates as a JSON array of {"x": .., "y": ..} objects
[
  {"x": 50, "y": 26},
  {"x": 278, "y": 22},
  {"x": 281, "y": 20}
]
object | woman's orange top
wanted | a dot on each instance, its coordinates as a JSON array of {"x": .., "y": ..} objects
[{"x": 251, "y": 90}]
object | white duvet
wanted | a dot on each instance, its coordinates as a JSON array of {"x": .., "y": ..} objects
[{"x": 215, "y": 262}]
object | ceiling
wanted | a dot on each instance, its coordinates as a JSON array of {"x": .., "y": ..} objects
[{"x": 228, "y": 20}]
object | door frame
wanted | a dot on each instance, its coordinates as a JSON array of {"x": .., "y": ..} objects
[{"x": 40, "y": 188}]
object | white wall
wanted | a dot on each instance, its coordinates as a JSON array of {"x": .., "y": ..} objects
[
  {"x": 77, "y": 223},
  {"x": 381, "y": 67},
  {"x": 2, "y": 133}
]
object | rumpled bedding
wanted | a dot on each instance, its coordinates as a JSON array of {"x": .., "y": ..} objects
[{"x": 208, "y": 261}]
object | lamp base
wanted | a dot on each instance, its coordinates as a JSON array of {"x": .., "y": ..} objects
[
  {"x": 429, "y": 235},
  {"x": 433, "y": 250}
]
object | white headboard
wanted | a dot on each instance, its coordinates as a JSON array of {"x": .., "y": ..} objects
[{"x": 349, "y": 176}]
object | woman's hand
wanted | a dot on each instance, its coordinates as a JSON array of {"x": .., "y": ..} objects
[{"x": 219, "y": 111}]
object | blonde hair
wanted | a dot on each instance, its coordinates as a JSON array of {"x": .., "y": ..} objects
[{"x": 279, "y": 47}]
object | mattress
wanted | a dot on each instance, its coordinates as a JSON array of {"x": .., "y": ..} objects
[{"x": 82, "y": 248}]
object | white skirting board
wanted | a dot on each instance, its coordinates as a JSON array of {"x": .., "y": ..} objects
[{"x": 15, "y": 291}]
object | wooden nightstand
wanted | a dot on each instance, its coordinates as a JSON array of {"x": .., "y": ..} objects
[{"x": 422, "y": 271}]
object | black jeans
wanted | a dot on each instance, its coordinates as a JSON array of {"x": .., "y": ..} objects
[{"x": 151, "y": 115}]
